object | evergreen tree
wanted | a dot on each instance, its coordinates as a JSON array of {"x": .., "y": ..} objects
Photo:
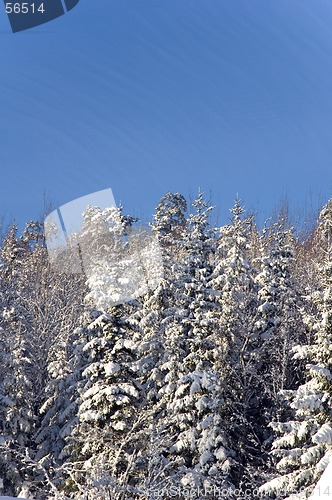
[
  {"x": 103, "y": 396},
  {"x": 304, "y": 445},
  {"x": 39, "y": 309},
  {"x": 279, "y": 325},
  {"x": 169, "y": 223},
  {"x": 18, "y": 412},
  {"x": 189, "y": 402},
  {"x": 233, "y": 280},
  {"x": 110, "y": 400}
]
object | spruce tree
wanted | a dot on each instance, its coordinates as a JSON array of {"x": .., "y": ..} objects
[
  {"x": 303, "y": 446},
  {"x": 233, "y": 282},
  {"x": 102, "y": 444},
  {"x": 39, "y": 308},
  {"x": 189, "y": 402},
  {"x": 279, "y": 325},
  {"x": 169, "y": 223}
]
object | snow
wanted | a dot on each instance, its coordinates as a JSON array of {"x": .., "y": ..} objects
[
  {"x": 324, "y": 485},
  {"x": 324, "y": 435},
  {"x": 311, "y": 455},
  {"x": 221, "y": 454},
  {"x": 111, "y": 368},
  {"x": 205, "y": 458},
  {"x": 320, "y": 370},
  {"x": 173, "y": 376}
]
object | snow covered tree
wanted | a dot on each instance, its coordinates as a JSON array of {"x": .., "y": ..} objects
[
  {"x": 279, "y": 325},
  {"x": 110, "y": 400},
  {"x": 169, "y": 223},
  {"x": 189, "y": 405},
  {"x": 39, "y": 308},
  {"x": 303, "y": 447},
  {"x": 58, "y": 413},
  {"x": 234, "y": 281},
  {"x": 106, "y": 261},
  {"x": 170, "y": 219},
  {"x": 18, "y": 415},
  {"x": 121, "y": 261},
  {"x": 138, "y": 382}
]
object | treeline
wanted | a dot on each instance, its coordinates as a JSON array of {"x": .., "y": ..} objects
[{"x": 216, "y": 383}]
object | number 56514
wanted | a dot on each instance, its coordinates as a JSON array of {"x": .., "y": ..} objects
[{"x": 24, "y": 8}]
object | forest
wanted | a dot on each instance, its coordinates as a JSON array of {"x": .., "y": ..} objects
[{"x": 215, "y": 384}]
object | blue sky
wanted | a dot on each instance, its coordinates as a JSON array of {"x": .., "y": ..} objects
[{"x": 152, "y": 96}]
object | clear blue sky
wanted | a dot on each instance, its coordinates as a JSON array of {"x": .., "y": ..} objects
[{"x": 150, "y": 96}]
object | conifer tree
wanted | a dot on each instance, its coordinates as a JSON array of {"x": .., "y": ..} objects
[
  {"x": 279, "y": 325},
  {"x": 38, "y": 310},
  {"x": 189, "y": 402},
  {"x": 233, "y": 281},
  {"x": 169, "y": 223},
  {"x": 111, "y": 398},
  {"x": 103, "y": 396},
  {"x": 18, "y": 411},
  {"x": 303, "y": 446}
]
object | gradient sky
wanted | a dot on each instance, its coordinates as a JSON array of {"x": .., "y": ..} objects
[{"x": 150, "y": 96}]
